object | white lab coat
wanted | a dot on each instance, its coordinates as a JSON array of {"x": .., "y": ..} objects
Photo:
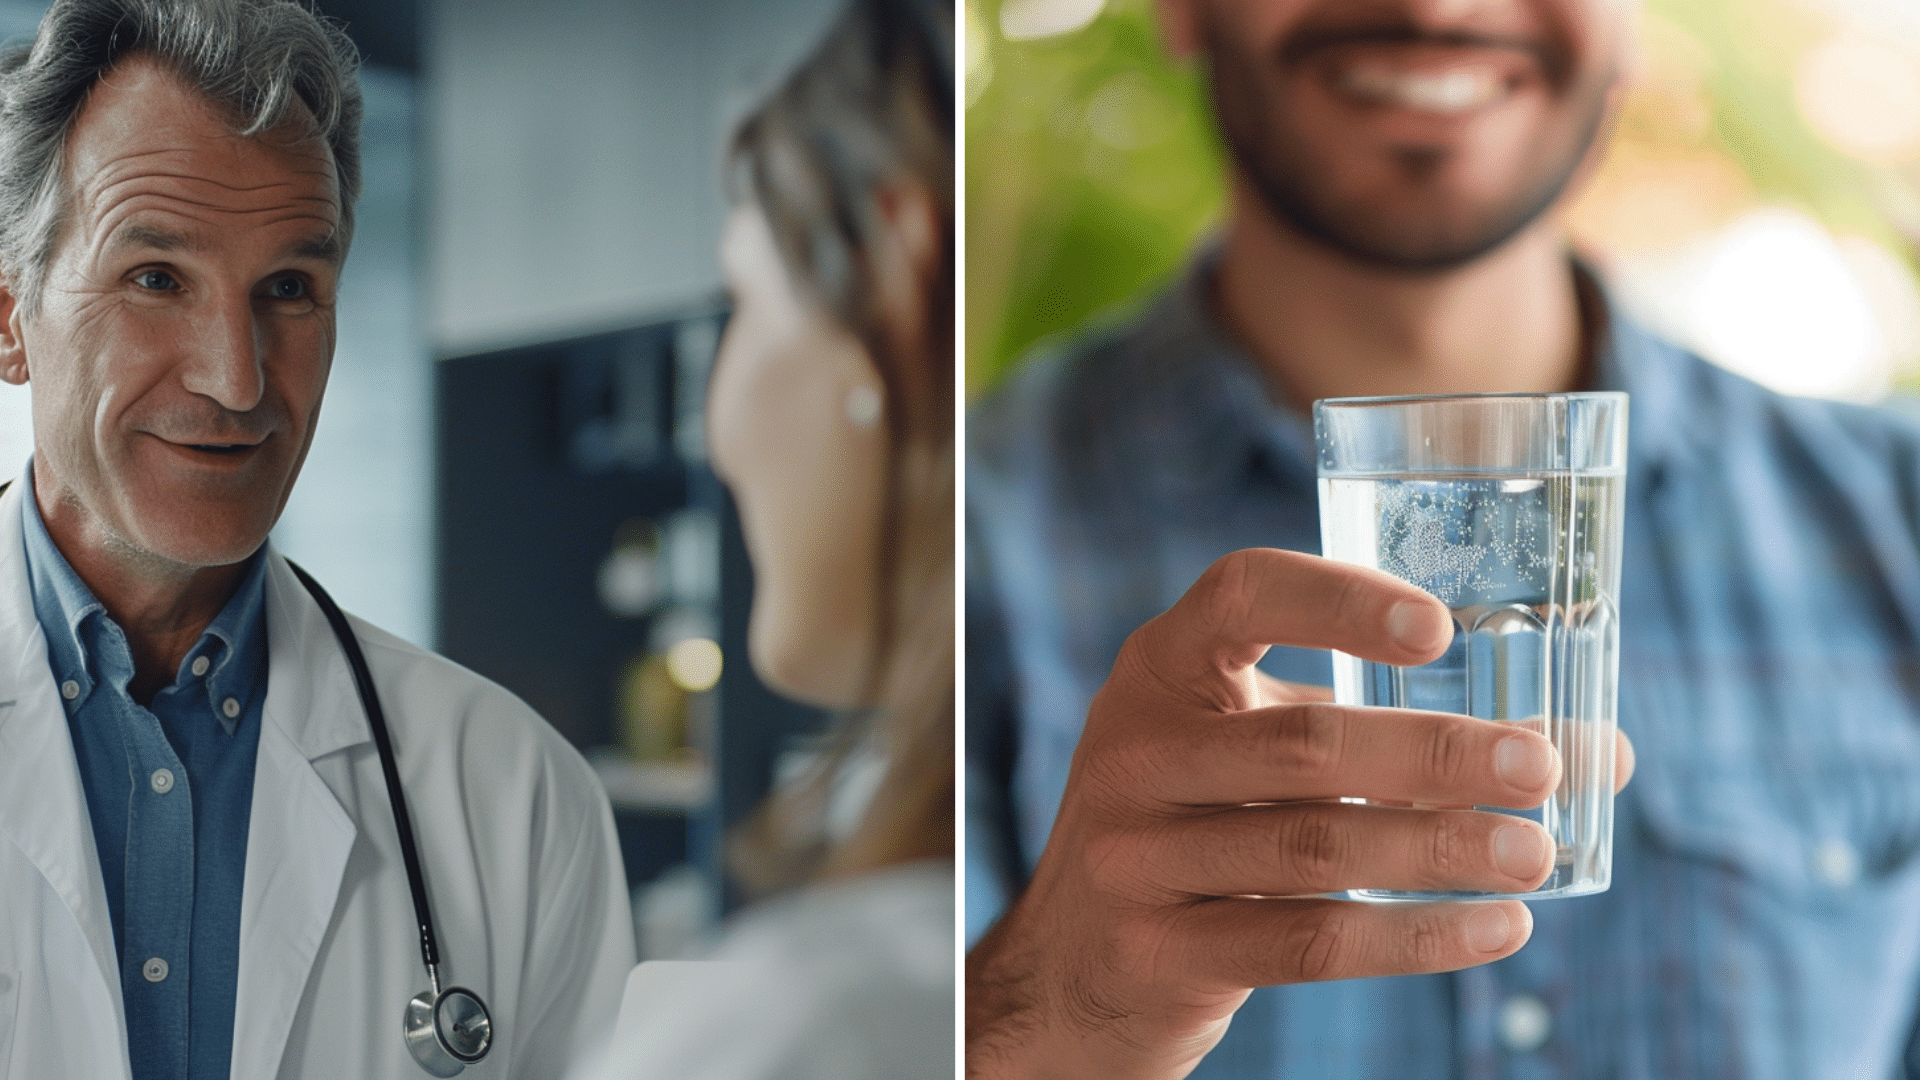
[{"x": 515, "y": 835}]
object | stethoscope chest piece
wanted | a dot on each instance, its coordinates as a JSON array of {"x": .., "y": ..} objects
[{"x": 448, "y": 1031}]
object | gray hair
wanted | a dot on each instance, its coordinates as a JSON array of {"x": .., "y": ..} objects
[{"x": 257, "y": 60}]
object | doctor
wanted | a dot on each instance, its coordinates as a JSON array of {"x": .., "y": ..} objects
[{"x": 200, "y": 870}]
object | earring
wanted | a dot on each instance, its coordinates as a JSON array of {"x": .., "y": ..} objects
[{"x": 863, "y": 406}]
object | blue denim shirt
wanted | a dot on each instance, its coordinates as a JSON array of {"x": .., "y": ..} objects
[
  {"x": 1764, "y": 918},
  {"x": 170, "y": 792}
]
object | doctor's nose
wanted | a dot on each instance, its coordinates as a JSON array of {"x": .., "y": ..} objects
[{"x": 226, "y": 357}]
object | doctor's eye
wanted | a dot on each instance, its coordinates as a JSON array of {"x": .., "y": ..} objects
[
  {"x": 155, "y": 281},
  {"x": 288, "y": 288}
]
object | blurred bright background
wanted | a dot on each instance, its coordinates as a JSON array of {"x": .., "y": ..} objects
[{"x": 1760, "y": 200}]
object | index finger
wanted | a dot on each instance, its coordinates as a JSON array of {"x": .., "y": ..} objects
[{"x": 1251, "y": 599}]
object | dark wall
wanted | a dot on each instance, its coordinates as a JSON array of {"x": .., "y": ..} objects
[
  {"x": 387, "y": 31},
  {"x": 523, "y": 526}
]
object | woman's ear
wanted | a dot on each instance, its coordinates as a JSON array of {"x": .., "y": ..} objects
[{"x": 13, "y": 351}]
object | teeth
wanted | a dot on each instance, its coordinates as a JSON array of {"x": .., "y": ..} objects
[{"x": 1447, "y": 92}]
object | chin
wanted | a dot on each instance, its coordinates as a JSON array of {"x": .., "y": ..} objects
[
  {"x": 186, "y": 536},
  {"x": 790, "y": 660}
]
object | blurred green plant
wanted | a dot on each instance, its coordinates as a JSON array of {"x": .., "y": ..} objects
[
  {"x": 1091, "y": 170},
  {"x": 1093, "y": 166}
]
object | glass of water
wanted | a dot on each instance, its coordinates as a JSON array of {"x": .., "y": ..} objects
[{"x": 1507, "y": 508}]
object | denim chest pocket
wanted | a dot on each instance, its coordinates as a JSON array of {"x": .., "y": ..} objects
[{"x": 1800, "y": 772}]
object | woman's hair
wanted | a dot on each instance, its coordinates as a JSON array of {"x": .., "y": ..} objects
[{"x": 872, "y": 108}]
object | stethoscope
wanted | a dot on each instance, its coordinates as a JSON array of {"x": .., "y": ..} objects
[{"x": 446, "y": 1030}]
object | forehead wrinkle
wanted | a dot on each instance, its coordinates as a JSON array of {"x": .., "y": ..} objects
[
  {"x": 116, "y": 232},
  {"x": 110, "y": 202},
  {"x": 104, "y": 181}
]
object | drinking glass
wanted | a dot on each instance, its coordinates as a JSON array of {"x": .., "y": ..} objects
[{"x": 1507, "y": 508}]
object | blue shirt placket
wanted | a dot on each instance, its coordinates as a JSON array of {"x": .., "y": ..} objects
[{"x": 156, "y": 955}]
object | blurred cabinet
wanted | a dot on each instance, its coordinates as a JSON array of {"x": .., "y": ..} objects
[{"x": 589, "y": 561}]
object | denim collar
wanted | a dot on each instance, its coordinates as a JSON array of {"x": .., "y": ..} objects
[
  {"x": 86, "y": 647},
  {"x": 1227, "y": 421}
]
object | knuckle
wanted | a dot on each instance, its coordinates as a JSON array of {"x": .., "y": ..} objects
[
  {"x": 1429, "y": 944},
  {"x": 1318, "y": 947},
  {"x": 1221, "y": 593},
  {"x": 1353, "y": 604},
  {"x": 1309, "y": 740},
  {"x": 1448, "y": 751},
  {"x": 1448, "y": 855},
  {"x": 1314, "y": 850}
]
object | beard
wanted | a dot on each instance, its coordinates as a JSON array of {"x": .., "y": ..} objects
[{"x": 1422, "y": 227}]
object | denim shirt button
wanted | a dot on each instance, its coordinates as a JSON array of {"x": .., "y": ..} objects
[
  {"x": 200, "y": 665},
  {"x": 69, "y": 689},
  {"x": 1836, "y": 863},
  {"x": 155, "y": 970},
  {"x": 1525, "y": 1024},
  {"x": 231, "y": 707},
  {"x": 162, "y": 781}
]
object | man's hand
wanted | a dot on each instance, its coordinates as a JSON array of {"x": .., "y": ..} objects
[{"x": 1202, "y": 815}]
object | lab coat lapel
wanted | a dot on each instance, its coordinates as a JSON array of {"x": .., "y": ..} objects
[
  {"x": 43, "y": 808},
  {"x": 300, "y": 836}
]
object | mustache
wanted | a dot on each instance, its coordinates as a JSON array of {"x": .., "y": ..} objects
[{"x": 1304, "y": 43}]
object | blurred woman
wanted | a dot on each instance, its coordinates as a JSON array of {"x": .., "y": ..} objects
[{"x": 830, "y": 417}]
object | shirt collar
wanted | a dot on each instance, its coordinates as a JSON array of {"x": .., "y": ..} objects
[
  {"x": 1231, "y": 424},
  {"x": 234, "y": 644}
]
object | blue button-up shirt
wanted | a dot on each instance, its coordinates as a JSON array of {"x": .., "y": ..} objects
[
  {"x": 169, "y": 789},
  {"x": 1764, "y": 918}
]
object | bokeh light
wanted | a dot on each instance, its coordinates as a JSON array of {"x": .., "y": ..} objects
[
  {"x": 1862, "y": 95},
  {"x": 694, "y": 664},
  {"x": 1025, "y": 20}
]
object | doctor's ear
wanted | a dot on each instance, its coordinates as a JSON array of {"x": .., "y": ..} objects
[{"x": 13, "y": 350}]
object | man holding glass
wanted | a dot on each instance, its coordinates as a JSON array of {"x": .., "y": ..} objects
[{"x": 1394, "y": 168}]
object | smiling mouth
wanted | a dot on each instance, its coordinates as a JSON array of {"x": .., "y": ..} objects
[
  {"x": 1447, "y": 93},
  {"x": 223, "y": 449}
]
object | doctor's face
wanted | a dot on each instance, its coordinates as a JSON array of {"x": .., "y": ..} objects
[
  {"x": 795, "y": 429},
  {"x": 1413, "y": 134},
  {"x": 182, "y": 342}
]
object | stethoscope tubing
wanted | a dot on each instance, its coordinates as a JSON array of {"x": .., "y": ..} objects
[
  {"x": 428, "y": 1040},
  {"x": 389, "y": 767}
]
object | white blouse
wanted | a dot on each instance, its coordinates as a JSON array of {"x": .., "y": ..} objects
[{"x": 850, "y": 980}]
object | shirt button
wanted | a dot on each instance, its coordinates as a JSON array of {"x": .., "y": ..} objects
[
  {"x": 231, "y": 707},
  {"x": 201, "y": 664},
  {"x": 155, "y": 970},
  {"x": 1836, "y": 863},
  {"x": 69, "y": 689},
  {"x": 162, "y": 781},
  {"x": 1525, "y": 1024}
]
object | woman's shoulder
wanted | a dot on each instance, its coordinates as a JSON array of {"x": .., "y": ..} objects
[
  {"x": 898, "y": 920},
  {"x": 848, "y": 980}
]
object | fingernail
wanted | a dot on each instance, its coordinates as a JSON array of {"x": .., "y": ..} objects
[
  {"x": 1411, "y": 624},
  {"x": 1518, "y": 850},
  {"x": 1523, "y": 762},
  {"x": 1489, "y": 929}
]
